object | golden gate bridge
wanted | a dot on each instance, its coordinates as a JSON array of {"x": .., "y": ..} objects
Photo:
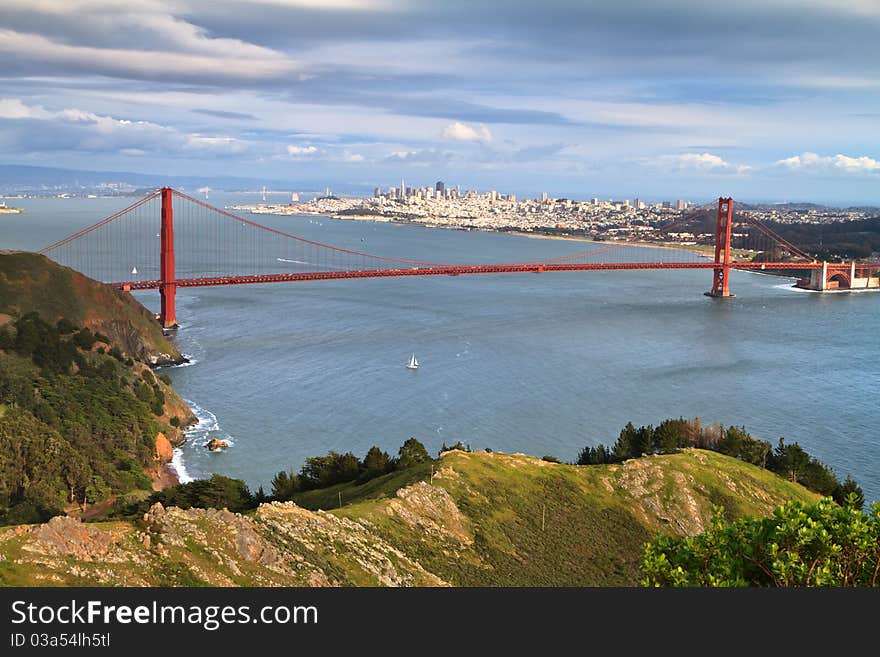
[{"x": 201, "y": 245}]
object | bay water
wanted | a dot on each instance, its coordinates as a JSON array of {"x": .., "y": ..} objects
[{"x": 534, "y": 363}]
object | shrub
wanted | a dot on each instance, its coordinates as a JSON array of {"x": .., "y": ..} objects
[{"x": 819, "y": 545}]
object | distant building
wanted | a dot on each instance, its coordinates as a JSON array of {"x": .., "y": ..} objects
[
  {"x": 377, "y": 193},
  {"x": 681, "y": 205},
  {"x": 667, "y": 204},
  {"x": 544, "y": 197},
  {"x": 594, "y": 201},
  {"x": 440, "y": 188}
]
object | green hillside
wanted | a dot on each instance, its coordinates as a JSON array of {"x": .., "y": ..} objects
[
  {"x": 484, "y": 519},
  {"x": 30, "y": 282},
  {"x": 79, "y": 422}
]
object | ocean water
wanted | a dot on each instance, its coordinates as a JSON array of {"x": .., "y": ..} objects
[{"x": 536, "y": 363}]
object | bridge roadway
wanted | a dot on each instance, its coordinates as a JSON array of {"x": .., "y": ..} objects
[{"x": 456, "y": 270}]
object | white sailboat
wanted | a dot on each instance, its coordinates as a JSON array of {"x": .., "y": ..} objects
[
  {"x": 413, "y": 364},
  {"x": 134, "y": 270}
]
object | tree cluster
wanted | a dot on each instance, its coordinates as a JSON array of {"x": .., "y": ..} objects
[
  {"x": 75, "y": 425},
  {"x": 218, "y": 492},
  {"x": 787, "y": 460},
  {"x": 335, "y": 468}
]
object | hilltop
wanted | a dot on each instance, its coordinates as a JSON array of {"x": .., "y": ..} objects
[
  {"x": 468, "y": 519},
  {"x": 30, "y": 282}
]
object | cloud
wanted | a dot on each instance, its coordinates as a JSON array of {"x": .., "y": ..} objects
[
  {"x": 813, "y": 163},
  {"x": 223, "y": 114},
  {"x": 459, "y": 131},
  {"x": 421, "y": 157},
  {"x": 352, "y": 157},
  {"x": 14, "y": 108},
  {"x": 33, "y": 128},
  {"x": 301, "y": 151},
  {"x": 238, "y": 62},
  {"x": 215, "y": 144},
  {"x": 698, "y": 162}
]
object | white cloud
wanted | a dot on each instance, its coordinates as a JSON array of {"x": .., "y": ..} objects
[
  {"x": 458, "y": 131},
  {"x": 14, "y": 108},
  {"x": 301, "y": 151},
  {"x": 352, "y": 157},
  {"x": 702, "y": 162},
  {"x": 74, "y": 128},
  {"x": 221, "y": 144},
  {"x": 226, "y": 58},
  {"x": 814, "y": 163}
]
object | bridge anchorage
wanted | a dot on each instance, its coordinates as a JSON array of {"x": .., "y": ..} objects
[{"x": 199, "y": 245}]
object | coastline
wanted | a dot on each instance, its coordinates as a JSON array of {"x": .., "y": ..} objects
[
  {"x": 165, "y": 477},
  {"x": 707, "y": 251}
]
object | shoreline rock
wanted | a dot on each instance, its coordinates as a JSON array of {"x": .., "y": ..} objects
[{"x": 216, "y": 444}]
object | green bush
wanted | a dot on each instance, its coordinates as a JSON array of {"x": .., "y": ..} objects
[{"x": 824, "y": 544}]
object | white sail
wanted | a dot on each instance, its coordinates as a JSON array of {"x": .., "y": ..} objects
[
  {"x": 134, "y": 270},
  {"x": 413, "y": 363}
]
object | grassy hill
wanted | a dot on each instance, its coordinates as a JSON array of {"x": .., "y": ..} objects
[
  {"x": 30, "y": 282},
  {"x": 482, "y": 519}
]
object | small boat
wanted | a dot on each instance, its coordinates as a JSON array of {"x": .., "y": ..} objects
[
  {"x": 134, "y": 270},
  {"x": 413, "y": 364}
]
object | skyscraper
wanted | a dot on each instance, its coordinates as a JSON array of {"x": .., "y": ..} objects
[{"x": 440, "y": 188}]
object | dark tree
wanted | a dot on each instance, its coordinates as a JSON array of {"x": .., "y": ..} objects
[
  {"x": 850, "y": 493},
  {"x": 285, "y": 485},
  {"x": 376, "y": 462},
  {"x": 411, "y": 453},
  {"x": 626, "y": 444}
]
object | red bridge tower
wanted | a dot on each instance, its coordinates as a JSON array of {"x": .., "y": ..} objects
[
  {"x": 168, "y": 288},
  {"x": 721, "y": 280}
]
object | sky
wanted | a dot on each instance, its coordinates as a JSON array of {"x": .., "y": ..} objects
[{"x": 773, "y": 100}]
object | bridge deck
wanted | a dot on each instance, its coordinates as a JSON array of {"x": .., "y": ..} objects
[{"x": 456, "y": 270}]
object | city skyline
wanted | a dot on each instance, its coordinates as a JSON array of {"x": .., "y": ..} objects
[{"x": 764, "y": 101}]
